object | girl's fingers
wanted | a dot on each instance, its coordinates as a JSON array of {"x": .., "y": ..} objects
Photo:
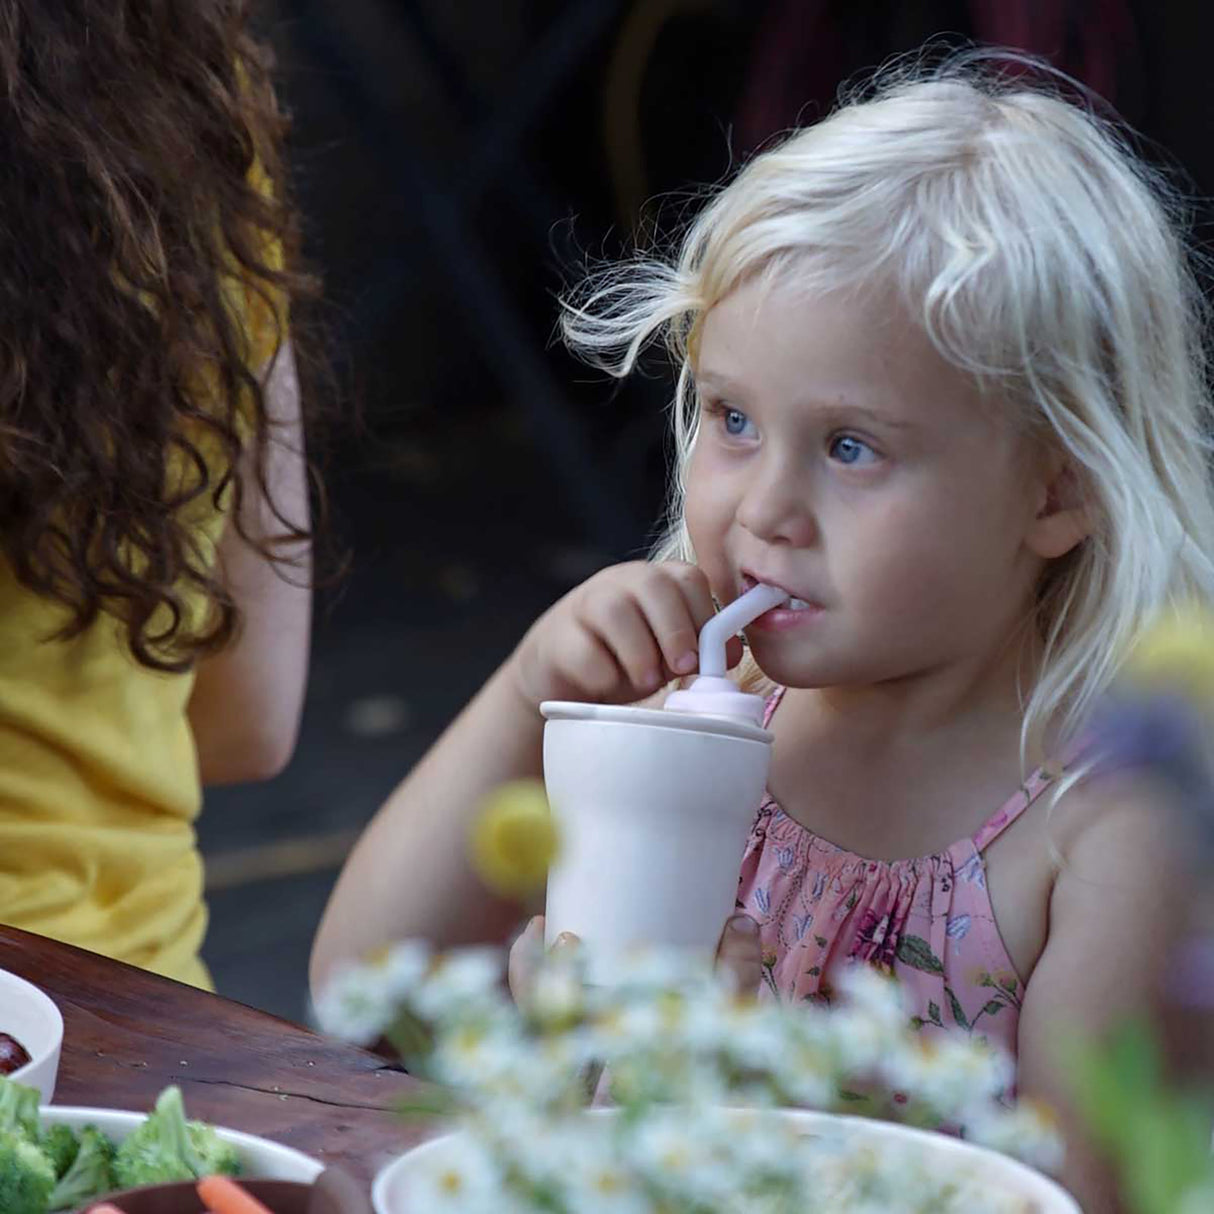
[
  {"x": 623, "y": 634},
  {"x": 694, "y": 586},
  {"x": 621, "y": 625},
  {"x": 590, "y": 664},
  {"x": 670, "y": 609},
  {"x": 740, "y": 954},
  {"x": 525, "y": 954}
]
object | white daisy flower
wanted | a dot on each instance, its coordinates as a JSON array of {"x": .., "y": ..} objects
[
  {"x": 402, "y": 967},
  {"x": 558, "y": 995},
  {"x": 466, "y": 1180},
  {"x": 1023, "y": 1132},
  {"x": 492, "y": 1061},
  {"x": 603, "y": 1185},
  {"x": 951, "y": 1072},
  {"x": 872, "y": 996},
  {"x": 463, "y": 984},
  {"x": 355, "y": 1005}
]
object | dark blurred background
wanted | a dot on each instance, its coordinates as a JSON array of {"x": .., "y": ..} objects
[{"x": 457, "y": 161}]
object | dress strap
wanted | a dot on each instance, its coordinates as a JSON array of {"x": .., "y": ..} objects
[
  {"x": 773, "y": 702},
  {"x": 1014, "y": 806}
]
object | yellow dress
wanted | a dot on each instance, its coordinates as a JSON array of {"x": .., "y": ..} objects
[{"x": 99, "y": 778}]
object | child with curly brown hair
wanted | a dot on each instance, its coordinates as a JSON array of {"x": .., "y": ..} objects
[{"x": 155, "y": 540}]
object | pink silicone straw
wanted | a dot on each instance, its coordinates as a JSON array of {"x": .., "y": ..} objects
[{"x": 732, "y": 619}]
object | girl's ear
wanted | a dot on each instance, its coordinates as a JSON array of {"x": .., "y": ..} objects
[{"x": 1061, "y": 522}]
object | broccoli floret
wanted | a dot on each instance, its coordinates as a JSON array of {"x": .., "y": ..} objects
[
  {"x": 166, "y": 1147},
  {"x": 89, "y": 1176},
  {"x": 60, "y": 1144},
  {"x": 159, "y": 1150},
  {"x": 211, "y": 1153},
  {"x": 27, "y": 1176},
  {"x": 19, "y": 1109}
]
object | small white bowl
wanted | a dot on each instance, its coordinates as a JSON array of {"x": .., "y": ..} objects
[
  {"x": 261, "y": 1158},
  {"x": 390, "y": 1194},
  {"x": 30, "y": 1015}
]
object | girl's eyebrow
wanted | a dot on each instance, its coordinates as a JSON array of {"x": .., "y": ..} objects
[
  {"x": 848, "y": 409},
  {"x": 710, "y": 378},
  {"x": 840, "y": 405}
]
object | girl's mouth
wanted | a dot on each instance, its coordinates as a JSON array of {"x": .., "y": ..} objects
[{"x": 792, "y": 614}]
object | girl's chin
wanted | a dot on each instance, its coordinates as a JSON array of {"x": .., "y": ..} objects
[{"x": 786, "y": 670}]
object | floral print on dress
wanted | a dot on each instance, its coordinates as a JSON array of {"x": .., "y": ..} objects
[
  {"x": 928, "y": 921},
  {"x": 973, "y": 871},
  {"x": 958, "y": 927}
]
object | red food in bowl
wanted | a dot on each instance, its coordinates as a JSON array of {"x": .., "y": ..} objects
[{"x": 13, "y": 1055}]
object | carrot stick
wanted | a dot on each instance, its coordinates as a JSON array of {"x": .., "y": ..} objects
[{"x": 222, "y": 1195}]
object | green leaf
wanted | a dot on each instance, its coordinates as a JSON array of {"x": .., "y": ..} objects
[
  {"x": 991, "y": 1006},
  {"x": 814, "y": 970},
  {"x": 412, "y": 1039},
  {"x": 917, "y": 1022},
  {"x": 821, "y": 941},
  {"x": 1167, "y": 1157},
  {"x": 917, "y": 953},
  {"x": 1008, "y": 984},
  {"x": 933, "y": 1012},
  {"x": 958, "y": 1010},
  {"x": 431, "y": 1102},
  {"x": 1159, "y": 1138}
]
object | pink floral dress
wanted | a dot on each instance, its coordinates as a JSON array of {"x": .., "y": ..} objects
[{"x": 928, "y": 922}]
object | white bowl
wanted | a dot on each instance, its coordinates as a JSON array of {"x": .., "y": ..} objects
[
  {"x": 261, "y": 1158},
  {"x": 390, "y": 1193},
  {"x": 30, "y": 1015}
]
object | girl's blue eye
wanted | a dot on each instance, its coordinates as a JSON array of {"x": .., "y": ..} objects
[
  {"x": 735, "y": 421},
  {"x": 851, "y": 451}
]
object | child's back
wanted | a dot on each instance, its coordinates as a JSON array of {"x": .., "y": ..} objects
[{"x": 147, "y": 403}]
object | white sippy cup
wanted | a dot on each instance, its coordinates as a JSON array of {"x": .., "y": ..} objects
[{"x": 654, "y": 806}]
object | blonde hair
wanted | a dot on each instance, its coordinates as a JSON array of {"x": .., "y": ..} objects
[{"x": 1041, "y": 256}]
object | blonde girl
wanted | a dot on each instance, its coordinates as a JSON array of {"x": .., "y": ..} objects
[{"x": 940, "y": 377}]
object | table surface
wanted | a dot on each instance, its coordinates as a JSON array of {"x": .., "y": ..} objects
[{"x": 128, "y": 1033}]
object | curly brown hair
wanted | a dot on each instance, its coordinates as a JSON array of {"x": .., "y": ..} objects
[{"x": 134, "y": 135}]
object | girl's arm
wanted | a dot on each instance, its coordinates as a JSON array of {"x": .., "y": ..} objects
[
  {"x": 409, "y": 874},
  {"x": 247, "y": 699},
  {"x": 1117, "y": 910},
  {"x": 617, "y": 638}
]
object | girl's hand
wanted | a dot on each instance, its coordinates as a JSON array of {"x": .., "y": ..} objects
[
  {"x": 619, "y": 636},
  {"x": 527, "y": 952},
  {"x": 739, "y": 955}
]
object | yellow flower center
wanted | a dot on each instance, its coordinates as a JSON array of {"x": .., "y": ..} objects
[{"x": 514, "y": 839}]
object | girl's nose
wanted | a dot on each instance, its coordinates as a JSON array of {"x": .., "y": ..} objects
[{"x": 775, "y": 508}]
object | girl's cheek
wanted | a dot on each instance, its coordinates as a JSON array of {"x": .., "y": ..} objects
[{"x": 706, "y": 520}]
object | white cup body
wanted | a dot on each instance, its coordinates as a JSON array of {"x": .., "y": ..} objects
[{"x": 653, "y": 810}]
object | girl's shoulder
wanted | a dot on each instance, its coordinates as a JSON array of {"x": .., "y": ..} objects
[{"x": 1115, "y": 820}]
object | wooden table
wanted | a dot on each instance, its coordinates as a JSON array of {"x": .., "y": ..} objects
[{"x": 128, "y": 1033}]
